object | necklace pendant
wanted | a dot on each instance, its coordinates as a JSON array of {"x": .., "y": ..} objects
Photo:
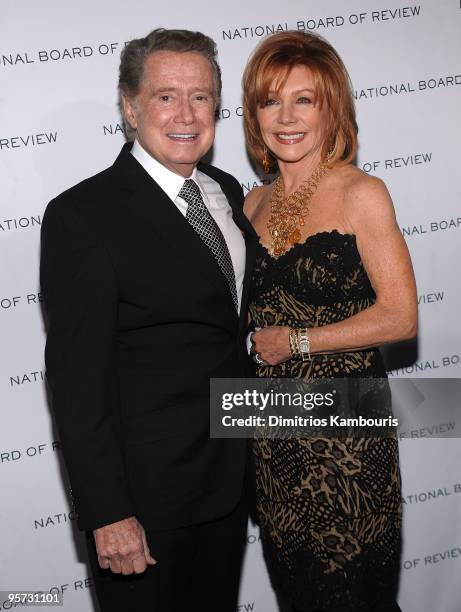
[{"x": 295, "y": 236}]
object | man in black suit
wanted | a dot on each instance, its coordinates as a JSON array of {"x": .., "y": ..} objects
[{"x": 145, "y": 275}]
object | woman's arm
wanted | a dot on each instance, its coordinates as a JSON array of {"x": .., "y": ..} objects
[{"x": 385, "y": 256}]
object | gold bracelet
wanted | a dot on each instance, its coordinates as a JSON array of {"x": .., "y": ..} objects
[
  {"x": 293, "y": 343},
  {"x": 300, "y": 345},
  {"x": 304, "y": 344}
]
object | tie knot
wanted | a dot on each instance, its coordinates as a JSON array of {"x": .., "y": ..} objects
[{"x": 190, "y": 192}]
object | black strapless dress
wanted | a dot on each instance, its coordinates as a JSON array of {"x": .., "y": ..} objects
[{"x": 329, "y": 509}]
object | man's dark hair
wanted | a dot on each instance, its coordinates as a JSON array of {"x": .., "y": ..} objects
[{"x": 181, "y": 41}]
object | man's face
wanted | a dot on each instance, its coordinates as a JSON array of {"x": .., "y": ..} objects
[{"x": 174, "y": 111}]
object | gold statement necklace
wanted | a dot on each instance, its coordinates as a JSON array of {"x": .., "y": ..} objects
[{"x": 288, "y": 214}]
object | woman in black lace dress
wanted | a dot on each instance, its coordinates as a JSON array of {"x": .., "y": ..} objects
[{"x": 333, "y": 280}]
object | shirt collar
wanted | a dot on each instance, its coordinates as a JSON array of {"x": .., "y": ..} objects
[{"x": 168, "y": 180}]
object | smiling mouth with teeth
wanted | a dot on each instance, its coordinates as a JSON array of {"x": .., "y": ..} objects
[
  {"x": 182, "y": 136},
  {"x": 289, "y": 137}
]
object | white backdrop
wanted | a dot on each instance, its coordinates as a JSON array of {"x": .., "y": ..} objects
[{"x": 59, "y": 123}]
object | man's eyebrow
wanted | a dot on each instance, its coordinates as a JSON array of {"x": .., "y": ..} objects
[{"x": 162, "y": 89}]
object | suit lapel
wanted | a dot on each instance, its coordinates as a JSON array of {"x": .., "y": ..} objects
[
  {"x": 250, "y": 243},
  {"x": 149, "y": 202},
  {"x": 237, "y": 209},
  {"x": 249, "y": 235},
  {"x": 250, "y": 254}
]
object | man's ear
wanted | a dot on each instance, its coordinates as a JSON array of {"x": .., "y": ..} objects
[{"x": 129, "y": 111}]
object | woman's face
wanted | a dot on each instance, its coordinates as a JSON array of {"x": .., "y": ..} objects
[{"x": 292, "y": 127}]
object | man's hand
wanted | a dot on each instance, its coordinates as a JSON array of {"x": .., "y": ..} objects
[
  {"x": 122, "y": 547},
  {"x": 272, "y": 343}
]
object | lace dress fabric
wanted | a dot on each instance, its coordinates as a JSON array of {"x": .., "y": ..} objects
[{"x": 329, "y": 509}]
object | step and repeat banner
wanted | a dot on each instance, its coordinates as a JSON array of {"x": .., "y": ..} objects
[{"x": 60, "y": 123}]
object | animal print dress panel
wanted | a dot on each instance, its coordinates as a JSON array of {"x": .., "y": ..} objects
[{"x": 329, "y": 509}]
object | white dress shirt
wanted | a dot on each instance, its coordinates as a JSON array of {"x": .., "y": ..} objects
[{"x": 214, "y": 200}]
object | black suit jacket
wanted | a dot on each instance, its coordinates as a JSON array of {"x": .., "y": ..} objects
[{"x": 140, "y": 318}]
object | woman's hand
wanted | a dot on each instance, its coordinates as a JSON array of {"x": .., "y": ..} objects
[{"x": 272, "y": 344}]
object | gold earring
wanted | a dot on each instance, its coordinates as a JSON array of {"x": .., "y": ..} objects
[
  {"x": 330, "y": 155},
  {"x": 265, "y": 162}
]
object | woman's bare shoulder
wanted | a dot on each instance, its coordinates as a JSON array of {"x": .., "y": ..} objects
[
  {"x": 357, "y": 186},
  {"x": 365, "y": 196},
  {"x": 253, "y": 200},
  {"x": 349, "y": 177},
  {"x": 356, "y": 182}
]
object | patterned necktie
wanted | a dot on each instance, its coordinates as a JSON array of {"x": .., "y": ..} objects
[{"x": 203, "y": 223}]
